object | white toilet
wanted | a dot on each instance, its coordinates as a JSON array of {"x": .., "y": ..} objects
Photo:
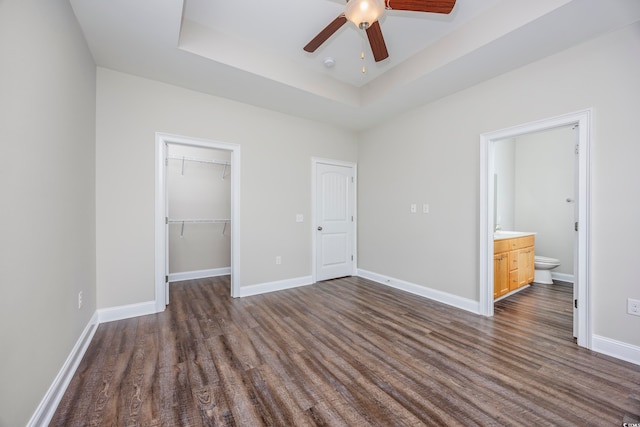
[{"x": 543, "y": 266}]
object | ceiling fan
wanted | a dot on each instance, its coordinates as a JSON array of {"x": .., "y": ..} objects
[{"x": 365, "y": 14}]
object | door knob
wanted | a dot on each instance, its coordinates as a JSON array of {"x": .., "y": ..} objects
[{"x": 319, "y": 228}]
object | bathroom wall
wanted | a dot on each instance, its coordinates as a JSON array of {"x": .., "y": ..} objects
[
  {"x": 544, "y": 180},
  {"x": 504, "y": 168}
]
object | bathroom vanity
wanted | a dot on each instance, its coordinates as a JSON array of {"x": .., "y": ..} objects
[{"x": 513, "y": 261}]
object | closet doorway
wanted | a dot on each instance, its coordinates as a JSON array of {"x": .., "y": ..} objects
[{"x": 197, "y": 214}]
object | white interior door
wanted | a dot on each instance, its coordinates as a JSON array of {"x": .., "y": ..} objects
[{"x": 335, "y": 203}]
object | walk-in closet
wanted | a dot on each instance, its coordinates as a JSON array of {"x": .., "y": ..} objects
[{"x": 198, "y": 212}]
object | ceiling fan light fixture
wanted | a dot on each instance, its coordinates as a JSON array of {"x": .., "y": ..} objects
[{"x": 363, "y": 13}]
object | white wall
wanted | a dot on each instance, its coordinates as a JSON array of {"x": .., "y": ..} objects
[
  {"x": 431, "y": 154},
  {"x": 47, "y": 213},
  {"x": 275, "y": 180},
  {"x": 544, "y": 179},
  {"x": 197, "y": 190}
]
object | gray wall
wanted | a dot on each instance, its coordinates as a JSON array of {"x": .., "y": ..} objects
[
  {"x": 276, "y": 152},
  {"x": 47, "y": 218},
  {"x": 432, "y": 154}
]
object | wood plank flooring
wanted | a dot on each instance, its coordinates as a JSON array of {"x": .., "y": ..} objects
[{"x": 347, "y": 352}]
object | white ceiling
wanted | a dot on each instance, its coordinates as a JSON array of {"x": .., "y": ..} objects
[{"x": 251, "y": 50}]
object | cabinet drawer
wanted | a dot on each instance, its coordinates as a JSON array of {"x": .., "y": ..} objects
[
  {"x": 501, "y": 246},
  {"x": 521, "y": 242},
  {"x": 514, "y": 280},
  {"x": 513, "y": 260}
]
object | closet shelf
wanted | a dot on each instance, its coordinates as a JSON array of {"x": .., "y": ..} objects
[
  {"x": 225, "y": 163},
  {"x": 198, "y": 221}
]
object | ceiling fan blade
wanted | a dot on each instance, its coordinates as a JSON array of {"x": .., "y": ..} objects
[
  {"x": 432, "y": 6},
  {"x": 378, "y": 46},
  {"x": 325, "y": 34}
]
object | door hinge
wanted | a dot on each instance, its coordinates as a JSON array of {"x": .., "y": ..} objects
[
  {"x": 575, "y": 226},
  {"x": 351, "y": 257},
  {"x": 166, "y": 220},
  {"x": 351, "y": 218},
  {"x": 575, "y": 303},
  {"x": 352, "y": 181},
  {"x": 577, "y": 149},
  {"x": 166, "y": 279}
]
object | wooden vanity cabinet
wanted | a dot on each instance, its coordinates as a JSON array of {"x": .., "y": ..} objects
[
  {"x": 513, "y": 264},
  {"x": 500, "y": 275},
  {"x": 526, "y": 267}
]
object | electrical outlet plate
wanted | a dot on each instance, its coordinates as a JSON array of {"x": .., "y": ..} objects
[{"x": 633, "y": 306}]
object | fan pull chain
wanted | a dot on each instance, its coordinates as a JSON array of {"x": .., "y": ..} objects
[{"x": 364, "y": 69}]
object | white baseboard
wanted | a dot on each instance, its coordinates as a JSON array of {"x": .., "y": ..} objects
[
  {"x": 279, "y": 285},
  {"x": 199, "y": 274},
  {"x": 47, "y": 407},
  {"x": 423, "y": 291},
  {"x": 126, "y": 311},
  {"x": 563, "y": 277},
  {"x": 617, "y": 349}
]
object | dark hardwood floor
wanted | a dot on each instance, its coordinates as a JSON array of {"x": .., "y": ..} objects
[{"x": 347, "y": 352}]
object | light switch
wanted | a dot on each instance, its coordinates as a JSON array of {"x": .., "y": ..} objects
[
  {"x": 425, "y": 208},
  {"x": 299, "y": 218},
  {"x": 414, "y": 208}
]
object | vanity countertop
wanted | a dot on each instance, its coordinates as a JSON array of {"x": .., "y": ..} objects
[{"x": 501, "y": 235}]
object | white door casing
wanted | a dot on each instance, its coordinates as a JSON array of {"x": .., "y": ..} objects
[
  {"x": 161, "y": 239},
  {"x": 333, "y": 219},
  {"x": 582, "y": 291}
]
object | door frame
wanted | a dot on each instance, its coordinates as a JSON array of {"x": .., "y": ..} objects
[
  {"x": 161, "y": 246},
  {"x": 582, "y": 270},
  {"x": 313, "y": 223}
]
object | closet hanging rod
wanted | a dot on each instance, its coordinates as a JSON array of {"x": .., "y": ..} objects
[
  {"x": 198, "y": 221},
  {"x": 195, "y": 159}
]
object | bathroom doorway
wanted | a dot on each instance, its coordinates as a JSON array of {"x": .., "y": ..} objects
[
  {"x": 489, "y": 212},
  {"x": 535, "y": 191}
]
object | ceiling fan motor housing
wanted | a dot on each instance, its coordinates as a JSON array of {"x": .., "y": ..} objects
[{"x": 363, "y": 13}]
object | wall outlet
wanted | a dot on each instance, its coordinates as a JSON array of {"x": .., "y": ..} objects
[
  {"x": 633, "y": 306},
  {"x": 414, "y": 208},
  {"x": 425, "y": 208},
  {"x": 80, "y": 300},
  {"x": 278, "y": 260}
]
